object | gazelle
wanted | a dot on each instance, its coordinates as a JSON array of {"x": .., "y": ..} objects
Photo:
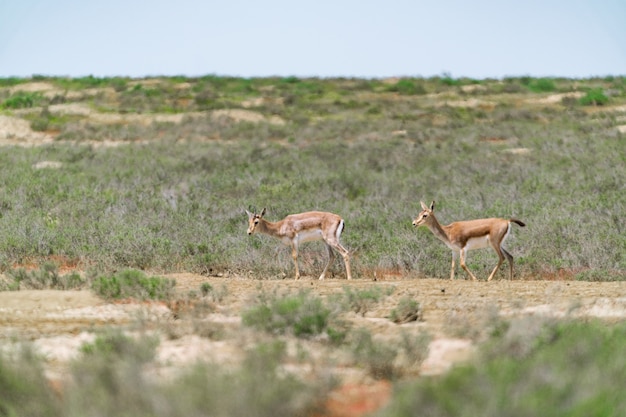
[
  {"x": 471, "y": 234},
  {"x": 304, "y": 227}
]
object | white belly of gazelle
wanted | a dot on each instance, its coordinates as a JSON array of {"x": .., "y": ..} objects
[
  {"x": 309, "y": 236},
  {"x": 478, "y": 243}
]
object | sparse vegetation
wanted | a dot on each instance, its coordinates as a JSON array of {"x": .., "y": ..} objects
[
  {"x": 172, "y": 198},
  {"x": 567, "y": 369},
  {"x": 133, "y": 284},
  {"x": 408, "y": 310},
  {"x": 361, "y": 301},
  {"x": 594, "y": 97},
  {"x": 171, "y": 207},
  {"x": 149, "y": 209},
  {"x": 22, "y": 100},
  {"x": 47, "y": 277},
  {"x": 542, "y": 85},
  {"x": 301, "y": 314}
]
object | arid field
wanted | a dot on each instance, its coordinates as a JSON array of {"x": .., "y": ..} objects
[{"x": 106, "y": 176}]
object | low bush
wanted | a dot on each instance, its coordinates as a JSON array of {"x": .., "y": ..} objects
[
  {"x": 542, "y": 85},
  {"x": 407, "y": 87},
  {"x": 599, "y": 275},
  {"x": 377, "y": 357},
  {"x": 361, "y": 301},
  {"x": 566, "y": 369},
  {"x": 22, "y": 100},
  {"x": 109, "y": 378},
  {"x": 47, "y": 277},
  {"x": 388, "y": 359},
  {"x": 300, "y": 314},
  {"x": 24, "y": 390},
  {"x": 257, "y": 388},
  {"x": 594, "y": 97},
  {"x": 408, "y": 310},
  {"x": 132, "y": 283}
]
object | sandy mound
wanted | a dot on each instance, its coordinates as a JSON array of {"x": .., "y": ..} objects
[{"x": 15, "y": 131}]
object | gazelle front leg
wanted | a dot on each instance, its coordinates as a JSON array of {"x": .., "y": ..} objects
[
  {"x": 294, "y": 255},
  {"x": 463, "y": 252},
  {"x": 453, "y": 265}
]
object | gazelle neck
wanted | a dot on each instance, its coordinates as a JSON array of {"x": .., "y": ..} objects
[
  {"x": 438, "y": 229},
  {"x": 268, "y": 228}
]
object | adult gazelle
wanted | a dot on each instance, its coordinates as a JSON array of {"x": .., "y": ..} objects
[
  {"x": 304, "y": 227},
  {"x": 470, "y": 234}
]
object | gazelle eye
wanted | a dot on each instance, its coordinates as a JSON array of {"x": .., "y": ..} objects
[{"x": 424, "y": 216}]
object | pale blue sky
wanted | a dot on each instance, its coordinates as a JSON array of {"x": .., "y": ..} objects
[{"x": 478, "y": 39}]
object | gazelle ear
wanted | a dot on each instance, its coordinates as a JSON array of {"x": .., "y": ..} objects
[
  {"x": 262, "y": 213},
  {"x": 248, "y": 213},
  {"x": 432, "y": 205},
  {"x": 423, "y": 205}
]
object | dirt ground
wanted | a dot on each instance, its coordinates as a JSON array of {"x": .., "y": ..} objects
[{"x": 59, "y": 322}]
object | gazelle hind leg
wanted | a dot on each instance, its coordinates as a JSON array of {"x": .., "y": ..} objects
[
  {"x": 345, "y": 254},
  {"x": 334, "y": 242},
  {"x": 331, "y": 259},
  {"x": 509, "y": 258},
  {"x": 499, "y": 251}
]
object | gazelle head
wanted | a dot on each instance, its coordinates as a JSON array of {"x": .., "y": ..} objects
[
  {"x": 253, "y": 220},
  {"x": 425, "y": 216}
]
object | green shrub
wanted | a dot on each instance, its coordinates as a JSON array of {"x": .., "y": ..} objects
[
  {"x": 447, "y": 80},
  {"x": 258, "y": 388},
  {"x": 376, "y": 356},
  {"x": 47, "y": 277},
  {"x": 40, "y": 124},
  {"x": 113, "y": 345},
  {"x": 21, "y": 100},
  {"x": 599, "y": 275},
  {"x": 109, "y": 377},
  {"x": 361, "y": 301},
  {"x": 389, "y": 359},
  {"x": 24, "y": 390},
  {"x": 407, "y": 310},
  {"x": 205, "y": 288},
  {"x": 301, "y": 314},
  {"x": 594, "y": 97},
  {"x": 567, "y": 369},
  {"x": 10, "y": 81},
  {"x": 132, "y": 283},
  {"x": 542, "y": 85},
  {"x": 407, "y": 87}
]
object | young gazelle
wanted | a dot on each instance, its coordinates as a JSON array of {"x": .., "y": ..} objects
[
  {"x": 304, "y": 227},
  {"x": 468, "y": 235}
]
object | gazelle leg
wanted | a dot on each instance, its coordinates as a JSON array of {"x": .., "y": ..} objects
[
  {"x": 331, "y": 258},
  {"x": 509, "y": 258},
  {"x": 500, "y": 260},
  {"x": 452, "y": 269},
  {"x": 345, "y": 255},
  {"x": 346, "y": 261},
  {"x": 294, "y": 255},
  {"x": 463, "y": 253}
]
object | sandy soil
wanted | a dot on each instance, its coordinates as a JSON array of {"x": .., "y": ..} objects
[
  {"x": 449, "y": 309},
  {"x": 59, "y": 322}
]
